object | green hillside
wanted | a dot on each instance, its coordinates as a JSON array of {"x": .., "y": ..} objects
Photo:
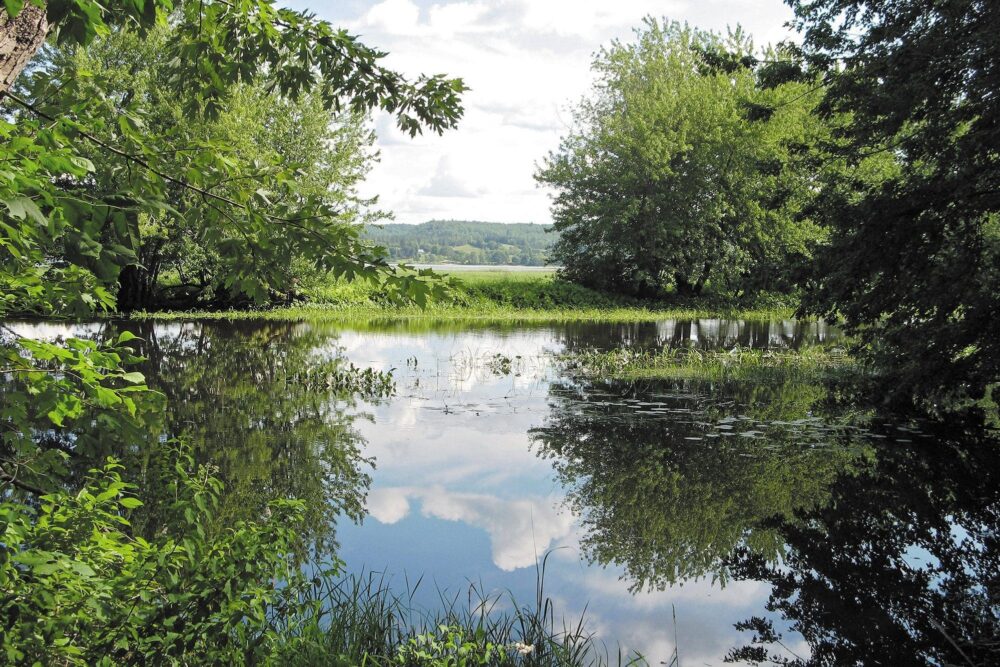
[{"x": 464, "y": 242}]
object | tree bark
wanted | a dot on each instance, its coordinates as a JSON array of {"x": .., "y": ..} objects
[
  {"x": 132, "y": 289},
  {"x": 20, "y": 38},
  {"x": 682, "y": 285}
]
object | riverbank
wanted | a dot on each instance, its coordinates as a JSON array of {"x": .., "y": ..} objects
[{"x": 495, "y": 296}]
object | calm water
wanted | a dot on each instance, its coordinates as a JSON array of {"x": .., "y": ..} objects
[{"x": 717, "y": 501}]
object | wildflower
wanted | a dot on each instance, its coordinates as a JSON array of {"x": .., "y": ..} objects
[{"x": 524, "y": 649}]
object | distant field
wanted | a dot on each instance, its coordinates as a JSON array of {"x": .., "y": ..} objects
[
  {"x": 464, "y": 242},
  {"x": 487, "y": 269}
]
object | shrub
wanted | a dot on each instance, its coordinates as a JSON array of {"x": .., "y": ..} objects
[{"x": 77, "y": 587}]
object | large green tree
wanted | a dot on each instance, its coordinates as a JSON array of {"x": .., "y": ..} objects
[
  {"x": 215, "y": 46},
  {"x": 671, "y": 178},
  {"x": 913, "y": 265},
  {"x": 330, "y": 151}
]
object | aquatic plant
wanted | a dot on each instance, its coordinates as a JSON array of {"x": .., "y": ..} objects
[
  {"x": 364, "y": 620},
  {"x": 686, "y": 362}
]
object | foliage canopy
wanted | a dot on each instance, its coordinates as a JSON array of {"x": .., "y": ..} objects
[
  {"x": 668, "y": 179},
  {"x": 294, "y": 151},
  {"x": 914, "y": 259}
]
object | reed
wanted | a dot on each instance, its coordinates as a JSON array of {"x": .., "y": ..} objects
[{"x": 364, "y": 620}]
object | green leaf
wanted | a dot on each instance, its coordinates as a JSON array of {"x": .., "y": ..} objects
[
  {"x": 13, "y": 7},
  {"x": 22, "y": 207}
]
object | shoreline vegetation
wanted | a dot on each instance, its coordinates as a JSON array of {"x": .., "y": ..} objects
[
  {"x": 490, "y": 296},
  {"x": 363, "y": 620}
]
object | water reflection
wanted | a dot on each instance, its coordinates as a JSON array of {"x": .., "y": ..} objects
[
  {"x": 236, "y": 394},
  {"x": 874, "y": 545},
  {"x": 704, "y": 334},
  {"x": 902, "y": 564},
  {"x": 669, "y": 477}
]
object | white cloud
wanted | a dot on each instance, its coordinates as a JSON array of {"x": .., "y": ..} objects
[
  {"x": 448, "y": 182},
  {"x": 458, "y": 17},
  {"x": 591, "y": 18},
  {"x": 526, "y": 62},
  {"x": 388, "y": 506},
  {"x": 520, "y": 530},
  {"x": 397, "y": 17}
]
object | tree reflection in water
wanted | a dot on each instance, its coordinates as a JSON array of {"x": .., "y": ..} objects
[
  {"x": 881, "y": 544},
  {"x": 235, "y": 392},
  {"x": 902, "y": 565},
  {"x": 670, "y": 476}
]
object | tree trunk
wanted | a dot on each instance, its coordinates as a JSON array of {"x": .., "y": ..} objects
[
  {"x": 700, "y": 284},
  {"x": 134, "y": 289},
  {"x": 683, "y": 286},
  {"x": 20, "y": 39}
]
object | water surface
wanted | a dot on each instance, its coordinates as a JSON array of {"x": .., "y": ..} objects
[{"x": 712, "y": 501}]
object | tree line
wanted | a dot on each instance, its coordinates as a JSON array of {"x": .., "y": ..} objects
[{"x": 465, "y": 242}]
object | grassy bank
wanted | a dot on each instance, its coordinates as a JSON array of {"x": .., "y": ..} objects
[{"x": 492, "y": 296}]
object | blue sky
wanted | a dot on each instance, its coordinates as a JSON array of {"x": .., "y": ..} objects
[{"x": 526, "y": 62}]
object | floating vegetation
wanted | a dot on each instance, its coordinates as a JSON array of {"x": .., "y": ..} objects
[
  {"x": 687, "y": 362},
  {"x": 345, "y": 378}
]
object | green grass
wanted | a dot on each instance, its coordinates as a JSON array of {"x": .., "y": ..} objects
[
  {"x": 811, "y": 362},
  {"x": 490, "y": 296},
  {"x": 363, "y": 621}
]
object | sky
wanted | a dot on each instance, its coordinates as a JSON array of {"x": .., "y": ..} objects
[{"x": 526, "y": 62}]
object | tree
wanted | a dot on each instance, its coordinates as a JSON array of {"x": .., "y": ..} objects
[
  {"x": 216, "y": 45},
  {"x": 329, "y": 150},
  {"x": 666, "y": 181},
  {"x": 50, "y": 208},
  {"x": 913, "y": 265},
  {"x": 77, "y": 586}
]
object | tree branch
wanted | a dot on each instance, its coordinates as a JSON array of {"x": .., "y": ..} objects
[
  {"x": 146, "y": 165},
  {"x": 24, "y": 486}
]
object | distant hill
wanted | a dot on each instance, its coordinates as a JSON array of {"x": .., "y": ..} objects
[{"x": 464, "y": 242}]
